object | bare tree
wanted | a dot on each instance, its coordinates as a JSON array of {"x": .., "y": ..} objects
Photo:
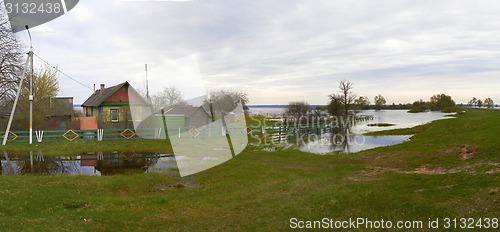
[
  {"x": 168, "y": 97},
  {"x": 11, "y": 59},
  {"x": 347, "y": 96},
  {"x": 221, "y": 103}
]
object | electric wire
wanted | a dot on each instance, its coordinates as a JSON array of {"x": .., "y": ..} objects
[{"x": 58, "y": 70}]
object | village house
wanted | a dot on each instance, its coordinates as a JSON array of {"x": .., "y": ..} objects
[
  {"x": 189, "y": 116},
  {"x": 111, "y": 106}
]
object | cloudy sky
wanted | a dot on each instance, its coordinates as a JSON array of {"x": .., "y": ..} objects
[{"x": 278, "y": 51}]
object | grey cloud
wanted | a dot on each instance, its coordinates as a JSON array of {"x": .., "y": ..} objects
[{"x": 283, "y": 45}]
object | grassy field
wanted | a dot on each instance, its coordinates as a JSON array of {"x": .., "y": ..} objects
[{"x": 450, "y": 169}]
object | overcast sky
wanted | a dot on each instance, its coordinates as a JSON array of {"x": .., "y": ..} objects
[{"x": 279, "y": 51}]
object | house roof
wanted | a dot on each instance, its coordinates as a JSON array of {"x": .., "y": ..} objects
[
  {"x": 187, "y": 111},
  {"x": 97, "y": 97}
]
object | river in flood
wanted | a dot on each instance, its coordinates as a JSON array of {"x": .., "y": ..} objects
[{"x": 353, "y": 140}]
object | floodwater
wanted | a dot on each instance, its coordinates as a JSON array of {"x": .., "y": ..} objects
[
  {"x": 96, "y": 164},
  {"x": 352, "y": 143},
  {"x": 401, "y": 119},
  {"x": 353, "y": 140}
]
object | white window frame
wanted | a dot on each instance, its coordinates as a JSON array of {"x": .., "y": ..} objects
[{"x": 117, "y": 115}]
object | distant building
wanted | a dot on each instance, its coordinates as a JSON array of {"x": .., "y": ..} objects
[
  {"x": 192, "y": 117},
  {"x": 61, "y": 108},
  {"x": 59, "y": 115},
  {"x": 111, "y": 106}
]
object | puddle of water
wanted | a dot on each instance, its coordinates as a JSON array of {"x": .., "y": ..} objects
[
  {"x": 352, "y": 143},
  {"x": 96, "y": 164}
]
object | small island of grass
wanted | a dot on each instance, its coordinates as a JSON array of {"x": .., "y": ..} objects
[{"x": 381, "y": 124}]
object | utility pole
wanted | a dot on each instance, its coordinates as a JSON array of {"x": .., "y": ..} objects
[{"x": 31, "y": 86}]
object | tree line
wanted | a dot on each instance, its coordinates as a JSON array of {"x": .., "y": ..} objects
[{"x": 344, "y": 103}]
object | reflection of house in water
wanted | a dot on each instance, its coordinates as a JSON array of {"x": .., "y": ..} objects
[
  {"x": 90, "y": 164},
  {"x": 117, "y": 164}
]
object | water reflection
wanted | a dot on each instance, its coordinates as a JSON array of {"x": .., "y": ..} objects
[
  {"x": 329, "y": 143},
  {"x": 348, "y": 137},
  {"x": 114, "y": 163}
]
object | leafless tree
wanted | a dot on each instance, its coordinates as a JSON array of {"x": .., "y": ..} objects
[
  {"x": 11, "y": 59},
  {"x": 222, "y": 102},
  {"x": 347, "y": 96},
  {"x": 168, "y": 97}
]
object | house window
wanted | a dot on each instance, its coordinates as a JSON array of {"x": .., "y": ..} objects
[{"x": 114, "y": 115}]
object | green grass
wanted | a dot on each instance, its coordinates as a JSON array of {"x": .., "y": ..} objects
[
  {"x": 420, "y": 179},
  {"x": 83, "y": 146}
]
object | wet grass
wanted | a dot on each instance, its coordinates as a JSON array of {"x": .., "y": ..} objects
[
  {"x": 84, "y": 146},
  {"x": 420, "y": 179}
]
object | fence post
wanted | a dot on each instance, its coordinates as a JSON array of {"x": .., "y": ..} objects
[
  {"x": 39, "y": 135},
  {"x": 157, "y": 133},
  {"x": 100, "y": 134}
]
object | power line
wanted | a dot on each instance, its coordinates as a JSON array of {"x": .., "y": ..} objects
[{"x": 58, "y": 70}]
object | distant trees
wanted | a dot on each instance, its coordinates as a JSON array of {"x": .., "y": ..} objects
[
  {"x": 473, "y": 101},
  {"x": 488, "y": 102},
  {"x": 362, "y": 102},
  {"x": 297, "y": 109},
  {"x": 442, "y": 102},
  {"x": 379, "y": 101},
  {"x": 479, "y": 103},
  {"x": 438, "y": 102},
  {"x": 419, "y": 106}
]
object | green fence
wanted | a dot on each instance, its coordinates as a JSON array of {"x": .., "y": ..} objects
[{"x": 115, "y": 134}]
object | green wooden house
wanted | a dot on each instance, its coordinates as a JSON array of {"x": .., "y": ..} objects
[{"x": 111, "y": 106}]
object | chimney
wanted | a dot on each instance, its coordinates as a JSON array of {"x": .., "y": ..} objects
[{"x": 102, "y": 88}]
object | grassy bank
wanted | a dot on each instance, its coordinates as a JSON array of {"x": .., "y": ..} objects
[{"x": 426, "y": 177}]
